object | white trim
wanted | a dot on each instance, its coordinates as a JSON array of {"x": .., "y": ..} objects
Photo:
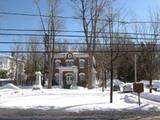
[
  {"x": 57, "y": 64},
  {"x": 73, "y": 69},
  {"x": 83, "y": 63},
  {"x": 83, "y": 60},
  {"x": 69, "y": 60},
  {"x": 81, "y": 74},
  {"x": 57, "y": 78},
  {"x": 69, "y": 55},
  {"x": 69, "y": 73},
  {"x": 57, "y": 61},
  {"x": 56, "y": 74},
  {"x": 75, "y": 55},
  {"x": 68, "y": 68}
]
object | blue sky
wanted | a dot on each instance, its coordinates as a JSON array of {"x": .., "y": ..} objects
[
  {"x": 139, "y": 8},
  {"x": 132, "y": 9}
]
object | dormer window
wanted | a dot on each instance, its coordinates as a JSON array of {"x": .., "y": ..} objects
[
  {"x": 58, "y": 63},
  {"x": 81, "y": 63}
]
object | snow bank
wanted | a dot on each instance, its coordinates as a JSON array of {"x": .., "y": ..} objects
[
  {"x": 9, "y": 86},
  {"x": 155, "y": 83},
  {"x": 116, "y": 82},
  {"x": 76, "y": 100}
]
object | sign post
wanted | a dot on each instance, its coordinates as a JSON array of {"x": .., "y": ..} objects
[
  {"x": 139, "y": 101},
  {"x": 138, "y": 87}
]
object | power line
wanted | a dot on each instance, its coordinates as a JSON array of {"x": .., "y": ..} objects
[
  {"x": 35, "y": 15},
  {"x": 76, "y": 43},
  {"x": 79, "y": 36},
  {"x": 67, "y": 17},
  {"x": 82, "y": 51},
  {"x": 74, "y": 31}
]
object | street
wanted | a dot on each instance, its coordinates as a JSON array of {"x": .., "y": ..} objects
[{"x": 31, "y": 114}]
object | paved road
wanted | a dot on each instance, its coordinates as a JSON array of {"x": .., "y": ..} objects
[{"x": 30, "y": 114}]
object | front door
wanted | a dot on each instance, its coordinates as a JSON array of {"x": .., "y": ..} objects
[{"x": 69, "y": 79}]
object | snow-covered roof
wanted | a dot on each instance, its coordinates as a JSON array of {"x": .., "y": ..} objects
[
  {"x": 6, "y": 80},
  {"x": 5, "y": 56},
  {"x": 10, "y": 57}
]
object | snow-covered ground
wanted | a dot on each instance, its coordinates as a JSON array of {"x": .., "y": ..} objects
[{"x": 74, "y": 100}]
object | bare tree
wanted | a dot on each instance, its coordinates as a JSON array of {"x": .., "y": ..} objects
[
  {"x": 147, "y": 39},
  {"x": 14, "y": 63},
  {"x": 50, "y": 35},
  {"x": 152, "y": 44},
  {"x": 34, "y": 61},
  {"x": 90, "y": 12}
]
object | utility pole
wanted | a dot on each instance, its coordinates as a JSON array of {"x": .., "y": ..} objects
[
  {"x": 135, "y": 67},
  {"x": 105, "y": 80},
  {"x": 111, "y": 69}
]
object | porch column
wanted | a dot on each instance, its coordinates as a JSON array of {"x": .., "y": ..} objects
[
  {"x": 75, "y": 70},
  {"x": 76, "y": 77},
  {"x": 60, "y": 78}
]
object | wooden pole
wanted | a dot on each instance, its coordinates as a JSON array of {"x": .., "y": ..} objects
[
  {"x": 139, "y": 101},
  {"x": 135, "y": 68}
]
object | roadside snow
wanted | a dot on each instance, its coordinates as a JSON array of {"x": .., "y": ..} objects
[
  {"x": 116, "y": 82},
  {"x": 155, "y": 83},
  {"x": 69, "y": 100},
  {"x": 9, "y": 86}
]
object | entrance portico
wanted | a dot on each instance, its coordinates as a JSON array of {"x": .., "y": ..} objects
[{"x": 68, "y": 76}]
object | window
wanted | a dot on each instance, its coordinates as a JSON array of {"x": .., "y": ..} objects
[
  {"x": 81, "y": 63},
  {"x": 57, "y": 78},
  {"x": 58, "y": 63},
  {"x": 70, "y": 55},
  {"x": 69, "y": 62},
  {"x": 1, "y": 64},
  {"x": 81, "y": 76}
]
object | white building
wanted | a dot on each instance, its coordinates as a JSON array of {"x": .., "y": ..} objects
[
  {"x": 11, "y": 65},
  {"x": 5, "y": 62}
]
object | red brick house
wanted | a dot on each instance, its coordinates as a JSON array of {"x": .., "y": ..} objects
[{"x": 73, "y": 69}]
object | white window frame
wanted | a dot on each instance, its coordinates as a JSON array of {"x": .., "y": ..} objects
[
  {"x": 81, "y": 60},
  {"x": 82, "y": 74},
  {"x": 57, "y": 62},
  {"x": 57, "y": 74},
  {"x": 69, "y": 61}
]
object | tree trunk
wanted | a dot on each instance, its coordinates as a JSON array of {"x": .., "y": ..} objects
[
  {"x": 90, "y": 73},
  {"x": 50, "y": 71}
]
